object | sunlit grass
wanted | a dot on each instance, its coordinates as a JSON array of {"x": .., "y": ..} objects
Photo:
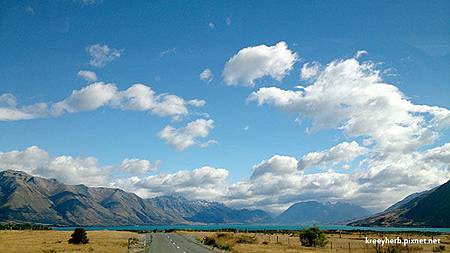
[{"x": 56, "y": 241}]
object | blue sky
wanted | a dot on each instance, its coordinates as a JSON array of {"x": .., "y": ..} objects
[{"x": 166, "y": 45}]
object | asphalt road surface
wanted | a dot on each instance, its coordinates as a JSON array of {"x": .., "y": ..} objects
[{"x": 174, "y": 243}]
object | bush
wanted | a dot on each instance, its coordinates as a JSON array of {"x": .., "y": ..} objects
[
  {"x": 313, "y": 237},
  {"x": 246, "y": 239},
  {"x": 79, "y": 236},
  {"x": 439, "y": 248},
  {"x": 210, "y": 241}
]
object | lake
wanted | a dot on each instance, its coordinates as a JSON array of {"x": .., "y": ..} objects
[{"x": 244, "y": 227}]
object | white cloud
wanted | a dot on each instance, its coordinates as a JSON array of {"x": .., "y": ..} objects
[
  {"x": 139, "y": 166},
  {"x": 100, "y": 55},
  {"x": 351, "y": 96},
  {"x": 204, "y": 183},
  {"x": 9, "y": 111},
  {"x": 197, "y": 102},
  {"x": 360, "y": 54},
  {"x": 137, "y": 97},
  {"x": 252, "y": 63},
  {"x": 275, "y": 183},
  {"x": 276, "y": 165},
  {"x": 88, "y": 75},
  {"x": 206, "y": 75},
  {"x": 208, "y": 143},
  {"x": 211, "y": 25},
  {"x": 309, "y": 70},
  {"x": 99, "y": 94},
  {"x": 185, "y": 137},
  {"x": 343, "y": 152},
  {"x": 69, "y": 169},
  {"x": 90, "y": 97}
]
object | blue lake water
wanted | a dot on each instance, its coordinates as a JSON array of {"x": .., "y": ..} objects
[{"x": 260, "y": 228}]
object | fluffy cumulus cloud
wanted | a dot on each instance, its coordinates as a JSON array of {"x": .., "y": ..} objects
[
  {"x": 136, "y": 175},
  {"x": 139, "y": 166},
  {"x": 69, "y": 169},
  {"x": 138, "y": 97},
  {"x": 343, "y": 152},
  {"x": 360, "y": 53},
  {"x": 206, "y": 75},
  {"x": 87, "y": 75},
  {"x": 252, "y": 63},
  {"x": 351, "y": 96},
  {"x": 395, "y": 161},
  {"x": 101, "y": 55},
  {"x": 88, "y": 98},
  {"x": 277, "y": 165},
  {"x": 205, "y": 183},
  {"x": 275, "y": 183},
  {"x": 309, "y": 70},
  {"x": 393, "y": 147},
  {"x": 143, "y": 98},
  {"x": 187, "y": 136},
  {"x": 10, "y": 111}
]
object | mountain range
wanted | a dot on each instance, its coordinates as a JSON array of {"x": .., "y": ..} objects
[
  {"x": 313, "y": 212},
  {"x": 25, "y": 198},
  {"x": 425, "y": 209}
]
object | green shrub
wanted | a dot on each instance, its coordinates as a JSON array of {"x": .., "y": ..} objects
[
  {"x": 79, "y": 236},
  {"x": 313, "y": 237},
  {"x": 439, "y": 248},
  {"x": 246, "y": 239},
  {"x": 210, "y": 241}
]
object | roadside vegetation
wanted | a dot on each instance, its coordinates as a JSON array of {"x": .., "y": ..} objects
[
  {"x": 25, "y": 226},
  {"x": 314, "y": 240},
  {"x": 226, "y": 241},
  {"x": 313, "y": 237}
]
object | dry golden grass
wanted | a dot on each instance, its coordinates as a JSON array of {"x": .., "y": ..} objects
[
  {"x": 345, "y": 242},
  {"x": 56, "y": 241}
]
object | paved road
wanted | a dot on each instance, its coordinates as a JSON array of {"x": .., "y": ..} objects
[{"x": 174, "y": 243}]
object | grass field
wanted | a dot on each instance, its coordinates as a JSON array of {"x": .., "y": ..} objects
[
  {"x": 344, "y": 242},
  {"x": 56, "y": 241},
  {"x": 115, "y": 241}
]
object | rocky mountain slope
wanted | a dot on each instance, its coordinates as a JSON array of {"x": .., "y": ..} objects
[
  {"x": 427, "y": 209},
  {"x": 25, "y": 198},
  {"x": 313, "y": 212},
  {"x": 207, "y": 211}
]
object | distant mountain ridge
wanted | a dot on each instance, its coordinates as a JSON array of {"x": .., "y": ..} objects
[
  {"x": 313, "y": 212},
  {"x": 208, "y": 211},
  {"x": 25, "y": 198},
  {"x": 426, "y": 209}
]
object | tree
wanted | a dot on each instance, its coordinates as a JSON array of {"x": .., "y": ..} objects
[
  {"x": 313, "y": 237},
  {"x": 79, "y": 236}
]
